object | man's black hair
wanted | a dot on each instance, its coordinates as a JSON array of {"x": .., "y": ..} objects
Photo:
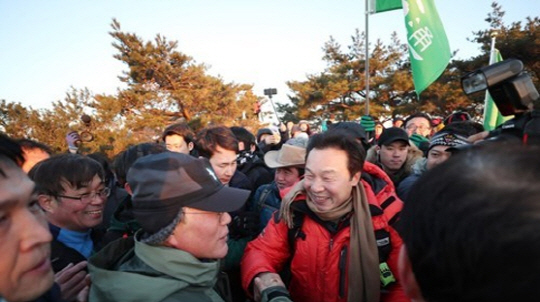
[
  {"x": 471, "y": 226},
  {"x": 340, "y": 139},
  {"x": 51, "y": 175},
  {"x": 244, "y": 136},
  {"x": 182, "y": 129},
  {"x": 212, "y": 137},
  {"x": 29, "y": 144},
  {"x": 465, "y": 128},
  {"x": 355, "y": 129},
  {"x": 125, "y": 159},
  {"x": 11, "y": 154}
]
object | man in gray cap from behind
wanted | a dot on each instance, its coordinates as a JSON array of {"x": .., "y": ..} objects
[{"x": 182, "y": 208}]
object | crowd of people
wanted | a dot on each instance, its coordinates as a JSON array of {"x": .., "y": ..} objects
[{"x": 357, "y": 212}]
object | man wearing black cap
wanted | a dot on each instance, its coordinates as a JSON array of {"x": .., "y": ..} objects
[
  {"x": 182, "y": 208},
  {"x": 394, "y": 155}
]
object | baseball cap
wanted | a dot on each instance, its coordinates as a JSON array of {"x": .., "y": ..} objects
[
  {"x": 390, "y": 135},
  {"x": 164, "y": 183}
]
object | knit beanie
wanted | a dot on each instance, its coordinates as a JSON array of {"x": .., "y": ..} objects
[{"x": 447, "y": 139}]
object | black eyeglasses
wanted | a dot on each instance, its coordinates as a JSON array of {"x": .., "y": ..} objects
[{"x": 88, "y": 197}]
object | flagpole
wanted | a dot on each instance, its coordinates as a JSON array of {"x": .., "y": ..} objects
[
  {"x": 367, "y": 57},
  {"x": 487, "y": 109},
  {"x": 492, "y": 49}
]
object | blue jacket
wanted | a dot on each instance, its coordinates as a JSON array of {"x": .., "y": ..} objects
[{"x": 265, "y": 201}]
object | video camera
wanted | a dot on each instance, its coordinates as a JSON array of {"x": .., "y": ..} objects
[{"x": 514, "y": 93}]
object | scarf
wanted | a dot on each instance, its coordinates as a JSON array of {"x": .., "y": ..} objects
[{"x": 364, "y": 273}]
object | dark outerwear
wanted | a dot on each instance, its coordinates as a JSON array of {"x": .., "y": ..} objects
[
  {"x": 62, "y": 255},
  {"x": 257, "y": 172},
  {"x": 52, "y": 295},
  {"x": 265, "y": 201}
]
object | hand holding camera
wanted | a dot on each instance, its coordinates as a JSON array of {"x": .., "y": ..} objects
[{"x": 74, "y": 141}]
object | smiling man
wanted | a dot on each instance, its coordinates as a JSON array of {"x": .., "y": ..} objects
[
  {"x": 25, "y": 266},
  {"x": 182, "y": 208},
  {"x": 334, "y": 229},
  {"x": 289, "y": 163},
  {"x": 72, "y": 192}
]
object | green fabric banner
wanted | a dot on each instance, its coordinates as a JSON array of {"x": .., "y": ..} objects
[
  {"x": 429, "y": 51},
  {"x": 492, "y": 116},
  {"x": 379, "y": 6}
]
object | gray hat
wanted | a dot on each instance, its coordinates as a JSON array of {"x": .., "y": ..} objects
[{"x": 164, "y": 183}]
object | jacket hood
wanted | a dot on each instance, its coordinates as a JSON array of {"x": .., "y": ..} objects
[
  {"x": 148, "y": 273},
  {"x": 420, "y": 166}
]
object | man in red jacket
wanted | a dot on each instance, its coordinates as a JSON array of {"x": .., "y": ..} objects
[{"x": 344, "y": 248}]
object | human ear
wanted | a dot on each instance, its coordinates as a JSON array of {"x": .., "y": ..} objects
[
  {"x": 356, "y": 178},
  {"x": 47, "y": 203},
  {"x": 190, "y": 146},
  {"x": 171, "y": 241}
]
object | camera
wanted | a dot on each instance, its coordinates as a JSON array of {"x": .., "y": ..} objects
[
  {"x": 84, "y": 136},
  {"x": 514, "y": 93}
]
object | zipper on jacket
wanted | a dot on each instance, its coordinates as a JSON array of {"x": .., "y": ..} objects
[
  {"x": 331, "y": 244},
  {"x": 342, "y": 271}
]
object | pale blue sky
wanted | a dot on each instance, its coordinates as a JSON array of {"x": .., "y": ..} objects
[{"x": 48, "y": 46}]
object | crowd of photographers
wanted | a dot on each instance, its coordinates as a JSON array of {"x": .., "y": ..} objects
[{"x": 358, "y": 212}]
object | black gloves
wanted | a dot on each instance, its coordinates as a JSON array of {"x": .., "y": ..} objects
[{"x": 244, "y": 224}]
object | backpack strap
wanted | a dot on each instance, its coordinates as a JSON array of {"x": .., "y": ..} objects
[
  {"x": 381, "y": 236},
  {"x": 384, "y": 246},
  {"x": 262, "y": 198},
  {"x": 292, "y": 234},
  {"x": 296, "y": 231}
]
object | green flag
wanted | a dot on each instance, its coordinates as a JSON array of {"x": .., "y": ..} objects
[
  {"x": 429, "y": 51},
  {"x": 492, "y": 116},
  {"x": 379, "y": 6}
]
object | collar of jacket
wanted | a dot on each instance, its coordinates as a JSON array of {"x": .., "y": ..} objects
[{"x": 168, "y": 260}]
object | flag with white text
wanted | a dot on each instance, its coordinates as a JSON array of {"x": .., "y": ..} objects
[{"x": 429, "y": 51}]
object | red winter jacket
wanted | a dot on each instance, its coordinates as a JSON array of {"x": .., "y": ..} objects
[{"x": 317, "y": 273}]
